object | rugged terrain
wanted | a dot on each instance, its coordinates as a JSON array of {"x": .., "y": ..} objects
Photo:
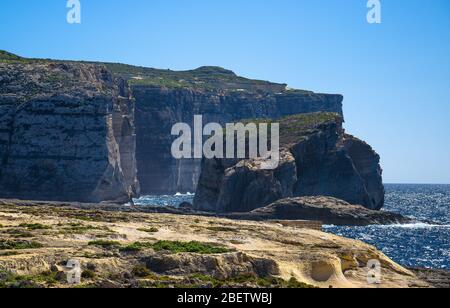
[
  {"x": 66, "y": 132},
  {"x": 137, "y": 105},
  {"x": 164, "y": 98},
  {"x": 327, "y": 210},
  {"x": 119, "y": 249},
  {"x": 317, "y": 159}
]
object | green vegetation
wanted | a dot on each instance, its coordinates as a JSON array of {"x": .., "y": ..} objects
[
  {"x": 18, "y": 245},
  {"x": 192, "y": 247},
  {"x": 221, "y": 229},
  {"x": 7, "y": 56},
  {"x": 19, "y": 233},
  {"x": 266, "y": 282},
  {"x": 141, "y": 271},
  {"x": 135, "y": 247},
  {"x": 207, "y": 78},
  {"x": 78, "y": 228},
  {"x": 32, "y": 227},
  {"x": 88, "y": 274},
  {"x": 105, "y": 244},
  {"x": 10, "y": 280},
  {"x": 149, "y": 230}
]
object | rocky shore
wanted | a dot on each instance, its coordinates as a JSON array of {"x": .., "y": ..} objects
[
  {"x": 317, "y": 158},
  {"x": 327, "y": 210},
  {"x": 120, "y": 249}
]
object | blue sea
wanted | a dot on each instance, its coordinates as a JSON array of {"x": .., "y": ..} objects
[{"x": 415, "y": 245}]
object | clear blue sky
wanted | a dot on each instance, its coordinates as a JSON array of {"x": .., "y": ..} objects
[{"x": 395, "y": 76}]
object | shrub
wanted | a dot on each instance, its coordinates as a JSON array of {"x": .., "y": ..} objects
[
  {"x": 149, "y": 230},
  {"x": 193, "y": 247},
  {"x": 18, "y": 245},
  {"x": 34, "y": 227},
  {"x": 104, "y": 244},
  {"x": 141, "y": 271}
]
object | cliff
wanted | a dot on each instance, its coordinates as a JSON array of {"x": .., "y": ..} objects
[
  {"x": 164, "y": 98},
  {"x": 317, "y": 159},
  {"x": 117, "y": 249},
  {"x": 66, "y": 132},
  {"x": 80, "y": 131}
]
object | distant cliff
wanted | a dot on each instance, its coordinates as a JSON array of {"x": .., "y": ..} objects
[
  {"x": 66, "y": 132},
  {"x": 165, "y": 97},
  {"x": 317, "y": 159}
]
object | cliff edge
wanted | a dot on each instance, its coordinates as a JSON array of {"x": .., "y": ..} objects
[
  {"x": 317, "y": 159},
  {"x": 66, "y": 132}
]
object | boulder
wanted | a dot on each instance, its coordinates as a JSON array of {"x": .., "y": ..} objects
[{"x": 329, "y": 211}]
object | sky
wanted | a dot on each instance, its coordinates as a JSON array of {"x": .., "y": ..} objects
[{"x": 395, "y": 76}]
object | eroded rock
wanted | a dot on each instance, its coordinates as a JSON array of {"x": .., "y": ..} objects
[{"x": 317, "y": 159}]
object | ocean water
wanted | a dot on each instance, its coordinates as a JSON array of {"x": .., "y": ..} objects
[
  {"x": 415, "y": 245},
  {"x": 165, "y": 200}
]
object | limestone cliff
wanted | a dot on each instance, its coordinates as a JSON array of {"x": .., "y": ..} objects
[
  {"x": 317, "y": 159},
  {"x": 164, "y": 98},
  {"x": 66, "y": 132}
]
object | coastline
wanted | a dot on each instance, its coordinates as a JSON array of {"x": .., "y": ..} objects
[{"x": 122, "y": 249}]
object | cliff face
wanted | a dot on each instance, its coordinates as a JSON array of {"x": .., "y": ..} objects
[
  {"x": 66, "y": 133},
  {"x": 317, "y": 159},
  {"x": 98, "y": 132},
  {"x": 164, "y": 98}
]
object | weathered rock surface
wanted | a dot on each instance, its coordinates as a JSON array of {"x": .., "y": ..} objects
[
  {"x": 435, "y": 278},
  {"x": 66, "y": 133},
  {"x": 118, "y": 250},
  {"x": 329, "y": 211},
  {"x": 222, "y": 267},
  {"x": 164, "y": 98},
  {"x": 317, "y": 159}
]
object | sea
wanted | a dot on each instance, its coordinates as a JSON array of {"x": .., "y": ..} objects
[{"x": 425, "y": 245}]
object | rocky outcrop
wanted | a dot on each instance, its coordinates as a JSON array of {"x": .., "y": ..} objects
[
  {"x": 317, "y": 159},
  {"x": 367, "y": 163},
  {"x": 222, "y": 267},
  {"x": 66, "y": 133},
  {"x": 115, "y": 249},
  {"x": 164, "y": 98},
  {"x": 329, "y": 211}
]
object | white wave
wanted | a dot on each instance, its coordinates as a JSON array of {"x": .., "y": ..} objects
[
  {"x": 188, "y": 194},
  {"x": 419, "y": 225}
]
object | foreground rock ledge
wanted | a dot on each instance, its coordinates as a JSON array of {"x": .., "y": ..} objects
[{"x": 36, "y": 241}]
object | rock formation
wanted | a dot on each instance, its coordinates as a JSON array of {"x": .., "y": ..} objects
[
  {"x": 66, "y": 133},
  {"x": 328, "y": 210},
  {"x": 317, "y": 159},
  {"x": 124, "y": 250},
  {"x": 164, "y": 98},
  {"x": 95, "y": 132}
]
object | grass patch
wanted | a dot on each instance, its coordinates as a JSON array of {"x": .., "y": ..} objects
[
  {"x": 192, "y": 247},
  {"x": 105, "y": 244},
  {"x": 19, "y": 245},
  {"x": 18, "y": 233},
  {"x": 33, "y": 227},
  {"x": 221, "y": 229},
  {"x": 149, "y": 230},
  {"x": 141, "y": 271},
  {"x": 266, "y": 282},
  {"x": 135, "y": 247},
  {"x": 88, "y": 274},
  {"x": 78, "y": 228},
  {"x": 9, "y": 280}
]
